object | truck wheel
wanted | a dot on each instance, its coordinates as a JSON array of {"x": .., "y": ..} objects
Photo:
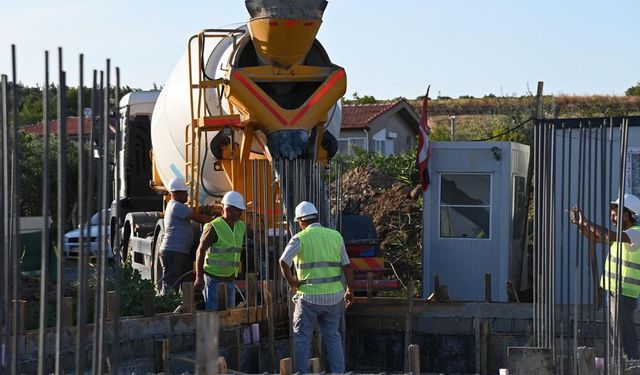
[
  {"x": 125, "y": 247},
  {"x": 156, "y": 266}
]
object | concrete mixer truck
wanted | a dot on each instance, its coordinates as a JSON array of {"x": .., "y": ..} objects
[{"x": 254, "y": 109}]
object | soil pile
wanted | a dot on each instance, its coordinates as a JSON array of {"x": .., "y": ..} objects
[{"x": 396, "y": 212}]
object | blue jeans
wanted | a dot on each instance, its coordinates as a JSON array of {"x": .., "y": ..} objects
[
  {"x": 305, "y": 317},
  {"x": 210, "y": 292},
  {"x": 627, "y": 328}
]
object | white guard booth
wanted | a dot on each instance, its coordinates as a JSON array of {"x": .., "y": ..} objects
[{"x": 473, "y": 217}]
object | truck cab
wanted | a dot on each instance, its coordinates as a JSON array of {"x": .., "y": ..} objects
[
  {"x": 136, "y": 207},
  {"x": 366, "y": 255}
]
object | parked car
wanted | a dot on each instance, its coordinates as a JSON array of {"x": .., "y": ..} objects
[{"x": 97, "y": 234}]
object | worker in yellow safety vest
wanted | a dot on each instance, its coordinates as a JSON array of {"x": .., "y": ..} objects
[
  {"x": 218, "y": 255},
  {"x": 320, "y": 259},
  {"x": 622, "y": 263}
]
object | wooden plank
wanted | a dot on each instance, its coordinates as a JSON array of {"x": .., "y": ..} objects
[
  {"x": 148, "y": 302},
  {"x": 166, "y": 366},
  {"x": 252, "y": 290},
  {"x": 314, "y": 365},
  {"x": 22, "y": 311},
  {"x": 286, "y": 365},
  {"x": 207, "y": 327},
  {"x": 414, "y": 359},
  {"x": 111, "y": 305},
  {"x": 484, "y": 348},
  {"x": 267, "y": 293},
  {"x": 369, "y": 286},
  {"x": 586, "y": 361},
  {"x": 187, "y": 297},
  {"x": 487, "y": 287},
  {"x": 67, "y": 315},
  {"x": 157, "y": 356},
  {"x": 408, "y": 328},
  {"x": 477, "y": 321}
]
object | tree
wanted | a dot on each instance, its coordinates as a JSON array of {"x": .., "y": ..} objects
[
  {"x": 633, "y": 91},
  {"x": 29, "y": 100},
  {"x": 357, "y": 99}
]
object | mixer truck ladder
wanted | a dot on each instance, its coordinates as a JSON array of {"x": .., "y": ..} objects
[{"x": 202, "y": 120}]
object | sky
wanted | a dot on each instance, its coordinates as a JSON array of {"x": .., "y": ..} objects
[{"x": 388, "y": 48}]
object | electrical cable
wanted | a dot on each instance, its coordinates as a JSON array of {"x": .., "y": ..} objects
[{"x": 505, "y": 132}]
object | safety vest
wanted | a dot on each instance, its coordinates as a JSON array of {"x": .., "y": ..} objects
[
  {"x": 224, "y": 257},
  {"x": 319, "y": 261},
  {"x": 630, "y": 275}
]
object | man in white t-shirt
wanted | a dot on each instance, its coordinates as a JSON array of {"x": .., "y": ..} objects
[{"x": 175, "y": 249}]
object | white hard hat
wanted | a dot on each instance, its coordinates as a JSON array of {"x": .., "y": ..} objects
[
  {"x": 177, "y": 184},
  {"x": 233, "y": 198},
  {"x": 305, "y": 209},
  {"x": 631, "y": 202}
]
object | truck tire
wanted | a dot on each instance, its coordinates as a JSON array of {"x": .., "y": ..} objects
[
  {"x": 157, "y": 273},
  {"x": 125, "y": 246}
]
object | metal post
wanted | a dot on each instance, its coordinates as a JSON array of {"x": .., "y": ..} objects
[
  {"x": 62, "y": 205},
  {"x": 452, "y": 124},
  {"x": 4, "y": 228},
  {"x": 83, "y": 240},
  {"x": 44, "y": 259}
]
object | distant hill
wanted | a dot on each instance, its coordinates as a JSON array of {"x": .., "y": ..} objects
[{"x": 479, "y": 118}]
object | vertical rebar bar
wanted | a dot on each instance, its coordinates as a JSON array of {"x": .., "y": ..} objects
[
  {"x": 4, "y": 227},
  {"x": 103, "y": 205},
  {"x": 15, "y": 217},
  {"x": 115, "y": 232},
  {"x": 97, "y": 333},
  {"x": 44, "y": 256},
  {"x": 62, "y": 204},
  {"x": 90, "y": 203},
  {"x": 82, "y": 239}
]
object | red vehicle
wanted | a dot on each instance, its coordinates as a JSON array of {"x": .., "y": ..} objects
[{"x": 365, "y": 253}]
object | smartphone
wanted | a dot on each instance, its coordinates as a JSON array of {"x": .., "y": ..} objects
[{"x": 572, "y": 215}]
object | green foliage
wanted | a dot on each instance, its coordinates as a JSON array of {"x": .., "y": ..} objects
[
  {"x": 131, "y": 286},
  {"x": 357, "y": 99},
  {"x": 29, "y": 102},
  {"x": 633, "y": 91},
  {"x": 31, "y": 174},
  {"x": 440, "y": 133},
  {"x": 402, "y": 166}
]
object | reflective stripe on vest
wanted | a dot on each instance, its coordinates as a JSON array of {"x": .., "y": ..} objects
[
  {"x": 223, "y": 259},
  {"x": 319, "y": 261},
  {"x": 630, "y": 270}
]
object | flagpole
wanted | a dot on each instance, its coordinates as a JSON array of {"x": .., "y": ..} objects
[{"x": 423, "y": 154}]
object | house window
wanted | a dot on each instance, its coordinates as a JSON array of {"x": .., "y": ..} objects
[
  {"x": 465, "y": 205},
  {"x": 346, "y": 145},
  {"x": 378, "y": 146}
]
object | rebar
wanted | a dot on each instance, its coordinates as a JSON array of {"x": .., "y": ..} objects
[{"x": 44, "y": 258}]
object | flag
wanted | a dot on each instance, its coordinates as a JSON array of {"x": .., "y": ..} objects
[{"x": 424, "y": 149}]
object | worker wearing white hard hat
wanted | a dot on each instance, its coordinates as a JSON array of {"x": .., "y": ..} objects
[
  {"x": 218, "y": 255},
  {"x": 175, "y": 248},
  {"x": 320, "y": 259},
  {"x": 626, "y": 252}
]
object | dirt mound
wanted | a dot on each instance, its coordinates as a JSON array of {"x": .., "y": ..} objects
[{"x": 394, "y": 207}]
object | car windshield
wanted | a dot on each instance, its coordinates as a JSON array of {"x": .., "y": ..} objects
[{"x": 95, "y": 219}]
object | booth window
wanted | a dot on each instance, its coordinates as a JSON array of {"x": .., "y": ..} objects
[{"x": 465, "y": 205}]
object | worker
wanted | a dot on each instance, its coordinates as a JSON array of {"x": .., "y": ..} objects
[
  {"x": 175, "y": 248},
  {"x": 320, "y": 260},
  {"x": 218, "y": 254},
  {"x": 630, "y": 270}
]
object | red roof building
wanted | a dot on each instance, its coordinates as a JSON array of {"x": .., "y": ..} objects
[
  {"x": 387, "y": 129},
  {"x": 73, "y": 128}
]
